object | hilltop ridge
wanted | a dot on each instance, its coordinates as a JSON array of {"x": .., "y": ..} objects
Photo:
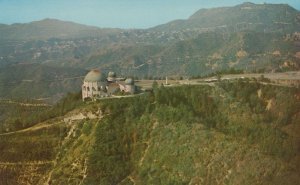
[
  {"x": 259, "y": 17},
  {"x": 51, "y": 28},
  {"x": 230, "y": 132},
  {"x": 264, "y": 15}
]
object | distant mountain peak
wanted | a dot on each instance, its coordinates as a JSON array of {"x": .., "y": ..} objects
[
  {"x": 248, "y": 16},
  {"x": 50, "y": 19},
  {"x": 51, "y": 28},
  {"x": 53, "y": 21},
  {"x": 250, "y": 4},
  {"x": 247, "y": 4}
]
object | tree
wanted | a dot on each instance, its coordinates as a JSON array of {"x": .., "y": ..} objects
[
  {"x": 219, "y": 77},
  {"x": 154, "y": 85}
]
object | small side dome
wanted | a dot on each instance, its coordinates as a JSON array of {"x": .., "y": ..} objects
[
  {"x": 112, "y": 74},
  {"x": 129, "y": 81},
  {"x": 94, "y": 76}
]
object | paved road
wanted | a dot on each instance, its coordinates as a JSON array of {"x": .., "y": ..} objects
[{"x": 293, "y": 75}]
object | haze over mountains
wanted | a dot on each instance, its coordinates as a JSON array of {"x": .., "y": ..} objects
[
  {"x": 250, "y": 37},
  {"x": 270, "y": 17}
]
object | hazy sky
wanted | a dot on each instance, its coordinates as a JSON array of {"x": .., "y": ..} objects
[{"x": 112, "y": 13}]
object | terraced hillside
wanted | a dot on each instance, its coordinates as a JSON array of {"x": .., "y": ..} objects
[{"x": 238, "y": 132}]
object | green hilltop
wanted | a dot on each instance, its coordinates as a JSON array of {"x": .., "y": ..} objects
[{"x": 231, "y": 133}]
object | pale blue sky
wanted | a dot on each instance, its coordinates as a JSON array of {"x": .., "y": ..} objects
[{"x": 112, "y": 13}]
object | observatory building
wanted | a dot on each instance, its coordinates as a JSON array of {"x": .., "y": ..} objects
[{"x": 97, "y": 85}]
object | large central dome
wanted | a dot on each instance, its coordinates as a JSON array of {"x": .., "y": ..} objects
[{"x": 94, "y": 76}]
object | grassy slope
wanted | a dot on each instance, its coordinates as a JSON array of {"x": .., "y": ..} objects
[
  {"x": 173, "y": 143},
  {"x": 189, "y": 134},
  {"x": 27, "y": 157},
  {"x": 18, "y": 115},
  {"x": 38, "y": 81}
]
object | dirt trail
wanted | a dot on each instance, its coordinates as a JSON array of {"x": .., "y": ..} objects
[
  {"x": 155, "y": 124},
  {"x": 38, "y": 126},
  {"x": 84, "y": 171},
  {"x": 25, "y": 104},
  {"x": 131, "y": 179},
  {"x": 33, "y": 128},
  {"x": 71, "y": 121},
  {"x": 25, "y": 163},
  {"x": 66, "y": 139}
]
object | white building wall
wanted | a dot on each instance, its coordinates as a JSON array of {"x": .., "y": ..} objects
[
  {"x": 122, "y": 87},
  {"x": 130, "y": 89},
  {"x": 111, "y": 79},
  {"x": 93, "y": 89}
]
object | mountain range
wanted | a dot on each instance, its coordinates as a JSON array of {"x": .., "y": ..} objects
[
  {"x": 246, "y": 16},
  {"x": 249, "y": 37}
]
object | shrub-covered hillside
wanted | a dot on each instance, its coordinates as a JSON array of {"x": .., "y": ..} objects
[
  {"x": 232, "y": 133},
  {"x": 18, "y": 115}
]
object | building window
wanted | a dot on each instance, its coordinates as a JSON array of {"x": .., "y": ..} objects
[
  {"x": 99, "y": 89},
  {"x": 88, "y": 88}
]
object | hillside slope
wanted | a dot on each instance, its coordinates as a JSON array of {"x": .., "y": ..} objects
[
  {"x": 204, "y": 54},
  {"x": 247, "y": 16},
  {"x": 233, "y": 133},
  {"x": 35, "y": 81},
  {"x": 51, "y": 28}
]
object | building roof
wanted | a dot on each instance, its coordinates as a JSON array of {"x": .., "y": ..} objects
[
  {"x": 112, "y": 74},
  {"x": 94, "y": 76}
]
